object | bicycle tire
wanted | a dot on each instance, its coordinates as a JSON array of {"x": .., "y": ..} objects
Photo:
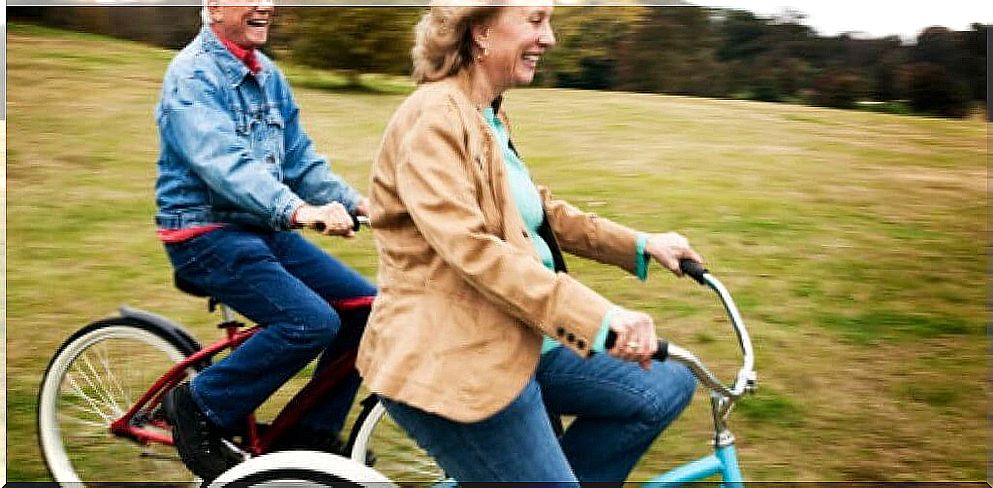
[
  {"x": 396, "y": 455},
  {"x": 300, "y": 469},
  {"x": 84, "y": 389}
]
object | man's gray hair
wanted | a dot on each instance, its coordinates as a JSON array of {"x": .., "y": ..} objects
[{"x": 205, "y": 14}]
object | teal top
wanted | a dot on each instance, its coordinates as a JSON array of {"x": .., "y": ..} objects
[{"x": 529, "y": 205}]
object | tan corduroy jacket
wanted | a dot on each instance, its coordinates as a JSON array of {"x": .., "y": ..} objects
[{"x": 463, "y": 298}]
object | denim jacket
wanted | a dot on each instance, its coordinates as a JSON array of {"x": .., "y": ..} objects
[{"x": 232, "y": 148}]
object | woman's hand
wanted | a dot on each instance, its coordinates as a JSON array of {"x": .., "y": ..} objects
[
  {"x": 669, "y": 248},
  {"x": 333, "y": 217},
  {"x": 636, "y": 339}
]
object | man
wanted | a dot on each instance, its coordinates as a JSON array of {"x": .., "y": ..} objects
[{"x": 236, "y": 173}]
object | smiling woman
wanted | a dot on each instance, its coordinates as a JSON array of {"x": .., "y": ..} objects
[{"x": 478, "y": 329}]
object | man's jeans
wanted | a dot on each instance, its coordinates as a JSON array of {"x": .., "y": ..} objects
[
  {"x": 620, "y": 409},
  {"x": 282, "y": 282}
]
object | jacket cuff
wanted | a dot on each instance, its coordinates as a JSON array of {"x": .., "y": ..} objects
[
  {"x": 641, "y": 258},
  {"x": 284, "y": 216},
  {"x": 600, "y": 342}
]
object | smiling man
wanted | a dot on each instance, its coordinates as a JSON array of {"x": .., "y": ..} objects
[{"x": 236, "y": 173}]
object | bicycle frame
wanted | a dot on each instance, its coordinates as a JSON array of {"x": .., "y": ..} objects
[{"x": 131, "y": 424}]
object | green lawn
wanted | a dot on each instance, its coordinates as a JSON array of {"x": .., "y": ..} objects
[{"x": 854, "y": 243}]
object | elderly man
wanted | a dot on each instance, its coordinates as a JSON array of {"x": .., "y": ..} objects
[{"x": 236, "y": 173}]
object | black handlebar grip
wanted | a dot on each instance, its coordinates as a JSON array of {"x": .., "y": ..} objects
[
  {"x": 693, "y": 269},
  {"x": 660, "y": 354},
  {"x": 319, "y": 226}
]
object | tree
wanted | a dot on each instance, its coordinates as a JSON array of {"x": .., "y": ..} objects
[
  {"x": 354, "y": 40},
  {"x": 932, "y": 89}
]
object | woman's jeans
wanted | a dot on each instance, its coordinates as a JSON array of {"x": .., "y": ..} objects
[
  {"x": 620, "y": 409},
  {"x": 282, "y": 282}
]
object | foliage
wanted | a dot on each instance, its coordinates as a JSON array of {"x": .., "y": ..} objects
[
  {"x": 685, "y": 50},
  {"x": 354, "y": 40}
]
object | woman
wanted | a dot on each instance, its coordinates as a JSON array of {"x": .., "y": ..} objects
[{"x": 471, "y": 280}]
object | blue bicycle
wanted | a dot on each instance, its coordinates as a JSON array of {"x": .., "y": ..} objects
[{"x": 399, "y": 461}]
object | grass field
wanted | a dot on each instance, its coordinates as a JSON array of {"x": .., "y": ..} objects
[{"x": 854, "y": 243}]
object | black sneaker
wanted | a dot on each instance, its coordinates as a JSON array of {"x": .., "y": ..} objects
[{"x": 198, "y": 440}]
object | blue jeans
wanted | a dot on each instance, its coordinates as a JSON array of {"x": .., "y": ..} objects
[
  {"x": 620, "y": 409},
  {"x": 282, "y": 282}
]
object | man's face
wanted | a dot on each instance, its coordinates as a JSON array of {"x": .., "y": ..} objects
[{"x": 246, "y": 23}]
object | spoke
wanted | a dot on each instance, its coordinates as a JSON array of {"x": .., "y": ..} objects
[
  {"x": 79, "y": 392},
  {"x": 100, "y": 383},
  {"x": 101, "y": 426},
  {"x": 114, "y": 382},
  {"x": 93, "y": 380}
]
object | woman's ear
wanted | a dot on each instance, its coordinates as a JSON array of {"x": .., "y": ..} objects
[{"x": 480, "y": 34}]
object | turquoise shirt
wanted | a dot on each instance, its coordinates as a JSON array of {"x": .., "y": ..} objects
[{"x": 532, "y": 213}]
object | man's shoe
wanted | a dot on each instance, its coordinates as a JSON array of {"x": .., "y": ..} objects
[{"x": 198, "y": 440}]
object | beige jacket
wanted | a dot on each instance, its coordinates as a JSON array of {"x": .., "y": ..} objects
[{"x": 463, "y": 298}]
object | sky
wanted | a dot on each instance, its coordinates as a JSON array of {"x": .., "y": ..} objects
[{"x": 875, "y": 18}]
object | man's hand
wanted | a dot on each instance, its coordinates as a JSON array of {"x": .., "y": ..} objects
[
  {"x": 636, "y": 339},
  {"x": 362, "y": 208},
  {"x": 333, "y": 217},
  {"x": 669, "y": 248}
]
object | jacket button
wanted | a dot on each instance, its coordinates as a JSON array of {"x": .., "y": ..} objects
[
  {"x": 581, "y": 344},
  {"x": 571, "y": 337},
  {"x": 560, "y": 331}
]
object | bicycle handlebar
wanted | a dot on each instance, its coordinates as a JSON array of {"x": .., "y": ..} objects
[
  {"x": 358, "y": 221},
  {"x": 745, "y": 381}
]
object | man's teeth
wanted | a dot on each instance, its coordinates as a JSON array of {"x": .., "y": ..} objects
[
  {"x": 257, "y": 23},
  {"x": 532, "y": 57}
]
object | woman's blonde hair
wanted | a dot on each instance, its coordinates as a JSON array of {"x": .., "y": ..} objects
[{"x": 443, "y": 42}]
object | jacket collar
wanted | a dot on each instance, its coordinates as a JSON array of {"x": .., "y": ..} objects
[{"x": 234, "y": 69}]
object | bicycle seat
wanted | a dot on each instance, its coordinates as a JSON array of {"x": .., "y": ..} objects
[{"x": 189, "y": 287}]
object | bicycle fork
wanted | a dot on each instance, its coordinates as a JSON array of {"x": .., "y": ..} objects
[{"x": 724, "y": 460}]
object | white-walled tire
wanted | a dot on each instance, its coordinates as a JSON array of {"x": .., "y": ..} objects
[
  {"x": 396, "y": 455},
  {"x": 94, "y": 378},
  {"x": 301, "y": 469}
]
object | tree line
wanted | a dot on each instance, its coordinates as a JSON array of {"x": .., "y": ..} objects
[{"x": 695, "y": 51}]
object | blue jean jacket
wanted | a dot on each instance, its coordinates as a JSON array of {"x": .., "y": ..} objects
[{"x": 232, "y": 148}]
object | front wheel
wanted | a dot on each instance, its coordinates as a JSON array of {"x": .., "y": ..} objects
[
  {"x": 94, "y": 378},
  {"x": 396, "y": 455}
]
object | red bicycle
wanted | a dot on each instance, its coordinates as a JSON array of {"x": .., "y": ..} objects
[{"x": 99, "y": 409}]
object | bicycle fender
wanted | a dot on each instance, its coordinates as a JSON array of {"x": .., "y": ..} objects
[{"x": 164, "y": 325}]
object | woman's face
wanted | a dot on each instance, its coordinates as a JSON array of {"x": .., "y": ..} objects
[{"x": 515, "y": 41}]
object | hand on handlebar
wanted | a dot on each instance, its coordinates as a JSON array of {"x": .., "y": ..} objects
[
  {"x": 669, "y": 248},
  {"x": 635, "y": 337},
  {"x": 332, "y": 219}
]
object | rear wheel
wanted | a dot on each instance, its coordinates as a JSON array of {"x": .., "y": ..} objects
[
  {"x": 96, "y": 376},
  {"x": 397, "y": 456},
  {"x": 300, "y": 469}
]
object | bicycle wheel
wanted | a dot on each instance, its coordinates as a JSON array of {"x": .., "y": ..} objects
[
  {"x": 94, "y": 378},
  {"x": 300, "y": 469},
  {"x": 397, "y": 456}
]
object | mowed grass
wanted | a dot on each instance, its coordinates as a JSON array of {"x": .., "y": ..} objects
[{"x": 853, "y": 243}]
